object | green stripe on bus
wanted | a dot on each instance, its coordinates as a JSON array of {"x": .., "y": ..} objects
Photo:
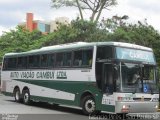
[
  {"x": 67, "y": 86},
  {"x": 75, "y": 87},
  {"x": 53, "y": 100},
  {"x": 109, "y": 108}
]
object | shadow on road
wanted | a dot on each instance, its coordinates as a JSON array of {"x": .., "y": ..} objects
[
  {"x": 55, "y": 107},
  {"x": 77, "y": 112}
]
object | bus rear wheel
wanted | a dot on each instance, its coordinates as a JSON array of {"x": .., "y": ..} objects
[
  {"x": 26, "y": 97},
  {"x": 88, "y": 105},
  {"x": 17, "y": 95}
]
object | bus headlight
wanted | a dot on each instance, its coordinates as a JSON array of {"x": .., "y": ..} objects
[{"x": 125, "y": 108}]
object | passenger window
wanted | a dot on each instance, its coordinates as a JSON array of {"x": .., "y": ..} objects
[
  {"x": 83, "y": 58},
  {"x": 67, "y": 57},
  {"x": 87, "y": 57},
  {"x": 77, "y": 58},
  {"x": 51, "y": 60},
  {"x": 22, "y": 62},
  {"x": 12, "y": 63},
  {"x": 44, "y": 60},
  {"x": 5, "y": 64},
  {"x": 59, "y": 59},
  {"x": 34, "y": 61}
]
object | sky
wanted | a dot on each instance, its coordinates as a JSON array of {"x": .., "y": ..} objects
[{"x": 13, "y": 12}]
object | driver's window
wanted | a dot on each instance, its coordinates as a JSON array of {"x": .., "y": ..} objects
[{"x": 104, "y": 52}]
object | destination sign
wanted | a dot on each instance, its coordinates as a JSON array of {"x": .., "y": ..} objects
[{"x": 135, "y": 55}]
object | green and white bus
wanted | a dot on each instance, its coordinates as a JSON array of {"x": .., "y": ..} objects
[{"x": 114, "y": 77}]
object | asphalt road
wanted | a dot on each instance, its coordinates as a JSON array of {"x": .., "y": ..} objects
[{"x": 10, "y": 110}]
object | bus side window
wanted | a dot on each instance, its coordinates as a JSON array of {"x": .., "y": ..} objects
[
  {"x": 44, "y": 60},
  {"x": 12, "y": 62},
  {"x": 87, "y": 57},
  {"x": 77, "y": 60},
  {"x": 67, "y": 57},
  {"x": 59, "y": 59},
  {"x": 34, "y": 61},
  {"x": 5, "y": 64},
  {"x": 51, "y": 60},
  {"x": 22, "y": 62}
]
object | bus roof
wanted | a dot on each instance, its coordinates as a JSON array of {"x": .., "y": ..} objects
[{"x": 78, "y": 45}]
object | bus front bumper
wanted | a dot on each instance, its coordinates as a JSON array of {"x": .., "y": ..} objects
[{"x": 136, "y": 107}]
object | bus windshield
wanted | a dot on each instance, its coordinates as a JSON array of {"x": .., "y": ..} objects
[{"x": 138, "y": 78}]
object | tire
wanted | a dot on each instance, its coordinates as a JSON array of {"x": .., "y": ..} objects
[
  {"x": 88, "y": 105},
  {"x": 17, "y": 95},
  {"x": 26, "y": 97}
]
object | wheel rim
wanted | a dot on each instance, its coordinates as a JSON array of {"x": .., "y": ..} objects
[
  {"x": 17, "y": 95},
  {"x": 26, "y": 97},
  {"x": 90, "y": 106}
]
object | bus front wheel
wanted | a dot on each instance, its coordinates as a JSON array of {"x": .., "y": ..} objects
[
  {"x": 88, "y": 105},
  {"x": 26, "y": 97}
]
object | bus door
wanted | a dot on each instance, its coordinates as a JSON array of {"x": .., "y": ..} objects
[{"x": 107, "y": 78}]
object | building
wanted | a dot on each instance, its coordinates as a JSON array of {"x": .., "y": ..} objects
[
  {"x": 43, "y": 26},
  {"x": 55, "y": 23}
]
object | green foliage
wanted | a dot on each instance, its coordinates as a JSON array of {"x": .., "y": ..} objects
[
  {"x": 114, "y": 29},
  {"x": 140, "y": 33},
  {"x": 18, "y": 40}
]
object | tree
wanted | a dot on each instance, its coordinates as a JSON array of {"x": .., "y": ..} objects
[
  {"x": 19, "y": 40},
  {"x": 95, "y": 6},
  {"x": 140, "y": 33},
  {"x": 113, "y": 23}
]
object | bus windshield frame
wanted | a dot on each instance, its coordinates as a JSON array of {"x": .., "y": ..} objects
[{"x": 134, "y": 62}]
